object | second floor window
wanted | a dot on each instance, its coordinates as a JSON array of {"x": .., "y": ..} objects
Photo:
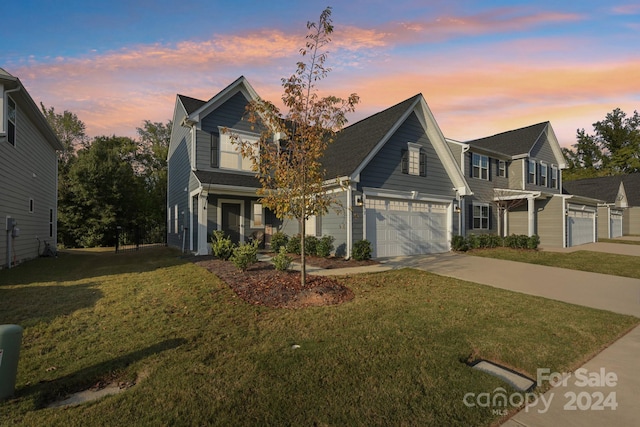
[
  {"x": 502, "y": 168},
  {"x": 230, "y": 157},
  {"x": 414, "y": 160},
  {"x": 543, "y": 174},
  {"x": 531, "y": 172},
  {"x": 554, "y": 176},
  {"x": 11, "y": 121},
  {"x": 480, "y": 165}
]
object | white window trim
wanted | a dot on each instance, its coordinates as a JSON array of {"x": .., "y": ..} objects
[
  {"x": 14, "y": 121},
  {"x": 532, "y": 172},
  {"x": 544, "y": 177},
  {"x": 242, "y": 164},
  {"x": 554, "y": 176},
  {"x": 253, "y": 224},
  {"x": 175, "y": 219},
  {"x": 502, "y": 168},
  {"x": 414, "y": 158},
  {"x": 480, "y": 167},
  {"x": 482, "y": 207}
]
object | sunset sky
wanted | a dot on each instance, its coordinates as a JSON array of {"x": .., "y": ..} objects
[{"x": 483, "y": 66}]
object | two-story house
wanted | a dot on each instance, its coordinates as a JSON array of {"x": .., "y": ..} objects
[
  {"x": 393, "y": 175},
  {"x": 28, "y": 175},
  {"x": 516, "y": 180}
]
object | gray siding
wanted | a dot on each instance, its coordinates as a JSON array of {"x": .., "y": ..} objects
[
  {"x": 518, "y": 222},
  {"x": 542, "y": 151},
  {"x": 515, "y": 174},
  {"x": 456, "y": 150},
  {"x": 631, "y": 221},
  {"x": 178, "y": 176},
  {"x": 384, "y": 170},
  {"x": 334, "y": 223},
  {"x": 230, "y": 114},
  {"x": 28, "y": 171}
]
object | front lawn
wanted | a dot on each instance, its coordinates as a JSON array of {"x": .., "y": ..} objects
[
  {"x": 594, "y": 262},
  {"x": 201, "y": 356}
]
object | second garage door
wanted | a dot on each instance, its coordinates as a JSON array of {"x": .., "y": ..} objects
[
  {"x": 581, "y": 227},
  {"x": 406, "y": 227}
]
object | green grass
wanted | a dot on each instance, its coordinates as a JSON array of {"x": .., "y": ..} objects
[
  {"x": 623, "y": 241},
  {"x": 595, "y": 262},
  {"x": 392, "y": 356}
]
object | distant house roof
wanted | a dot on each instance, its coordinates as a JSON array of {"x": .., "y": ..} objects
[
  {"x": 354, "y": 143},
  {"x": 606, "y": 188},
  {"x": 603, "y": 188},
  {"x": 514, "y": 142}
]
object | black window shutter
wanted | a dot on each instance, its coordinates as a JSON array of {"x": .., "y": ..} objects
[
  {"x": 423, "y": 164},
  {"x": 470, "y": 211},
  {"x": 405, "y": 161},
  {"x": 471, "y": 165},
  {"x": 214, "y": 150},
  {"x": 506, "y": 169},
  {"x": 489, "y": 161}
]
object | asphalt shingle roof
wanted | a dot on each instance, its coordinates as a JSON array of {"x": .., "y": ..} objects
[
  {"x": 606, "y": 188},
  {"x": 514, "y": 142},
  {"x": 191, "y": 104},
  {"x": 226, "y": 178},
  {"x": 352, "y": 144}
]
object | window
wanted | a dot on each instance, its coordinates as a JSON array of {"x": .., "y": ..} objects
[
  {"x": 502, "y": 168},
  {"x": 175, "y": 219},
  {"x": 257, "y": 215},
  {"x": 11, "y": 121},
  {"x": 215, "y": 141},
  {"x": 531, "y": 176},
  {"x": 481, "y": 217},
  {"x": 554, "y": 176},
  {"x": 50, "y": 222},
  {"x": 230, "y": 157},
  {"x": 480, "y": 167},
  {"x": 543, "y": 175},
  {"x": 414, "y": 160}
]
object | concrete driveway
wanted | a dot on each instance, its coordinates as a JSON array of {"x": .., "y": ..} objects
[{"x": 617, "y": 294}]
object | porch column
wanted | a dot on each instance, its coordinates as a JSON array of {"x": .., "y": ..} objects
[
  {"x": 531, "y": 202},
  {"x": 203, "y": 246}
]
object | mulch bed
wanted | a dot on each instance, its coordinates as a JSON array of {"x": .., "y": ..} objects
[{"x": 262, "y": 284}]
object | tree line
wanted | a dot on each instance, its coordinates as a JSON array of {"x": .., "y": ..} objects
[
  {"x": 612, "y": 149},
  {"x": 109, "y": 181}
]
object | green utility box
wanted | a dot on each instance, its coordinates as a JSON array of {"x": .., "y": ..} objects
[{"x": 10, "y": 340}]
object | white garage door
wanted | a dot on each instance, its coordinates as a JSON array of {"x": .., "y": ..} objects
[
  {"x": 580, "y": 227},
  {"x": 402, "y": 227},
  {"x": 616, "y": 225}
]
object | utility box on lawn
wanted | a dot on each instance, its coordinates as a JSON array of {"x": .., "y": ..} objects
[{"x": 10, "y": 340}]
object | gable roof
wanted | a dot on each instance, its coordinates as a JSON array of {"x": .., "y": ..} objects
[
  {"x": 190, "y": 104},
  {"x": 241, "y": 84},
  {"x": 603, "y": 188},
  {"x": 22, "y": 97},
  {"x": 514, "y": 142},
  {"x": 606, "y": 187},
  {"x": 352, "y": 144},
  {"x": 356, "y": 145}
]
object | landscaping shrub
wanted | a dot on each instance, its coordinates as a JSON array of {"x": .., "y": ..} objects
[
  {"x": 278, "y": 240},
  {"x": 245, "y": 255},
  {"x": 533, "y": 242},
  {"x": 221, "y": 245},
  {"x": 325, "y": 246},
  {"x": 282, "y": 261},
  {"x": 459, "y": 244},
  {"x": 473, "y": 241},
  {"x": 361, "y": 250},
  {"x": 310, "y": 245},
  {"x": 293, "y": 245}
]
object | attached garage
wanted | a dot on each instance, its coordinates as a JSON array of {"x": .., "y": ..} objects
[
  {"x": 615, "y": 223},
  {"x": 406, "y": 227},
  {"x": 581, "y": 225}
]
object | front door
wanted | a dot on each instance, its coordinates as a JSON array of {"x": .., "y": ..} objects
[{"x": 231, "y": 221}]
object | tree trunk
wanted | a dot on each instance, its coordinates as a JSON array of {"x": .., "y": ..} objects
[{"x": 303, "y": 264}]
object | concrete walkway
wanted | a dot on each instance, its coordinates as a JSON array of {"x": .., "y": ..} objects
[{"x": 617, "y": 294}]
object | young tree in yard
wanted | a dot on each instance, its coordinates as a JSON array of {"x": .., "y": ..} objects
[
  {"x": 70, "y": 131},
  {"x": 287, "y": 158}
]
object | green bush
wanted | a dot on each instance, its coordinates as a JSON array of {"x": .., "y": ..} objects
[
  {"x": 278, "y": 240},
  {"x": 473, "y": 241},
  {"x": 459, "y": 244},
  {"x": 310, "y": 245},
  {"x": 221, "y": 245},
  {"x": 245, "y": 255},
  {"x": 282, "y": 261},
  {"x": 361, "y": 250},
  {"x": 325, "y": 246},
  {"x": 533, "y": 242},
  {"x": 293, "y": 245}
]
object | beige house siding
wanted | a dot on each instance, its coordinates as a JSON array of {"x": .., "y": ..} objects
[
  {"x": 551, "y": 218},
  {"x": 516, "y": 174},
  {"x": 631, "y": 221},
  {"x": 518, "y": 221}
]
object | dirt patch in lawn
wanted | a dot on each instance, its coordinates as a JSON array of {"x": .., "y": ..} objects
[{"x": 262, "y": 284}]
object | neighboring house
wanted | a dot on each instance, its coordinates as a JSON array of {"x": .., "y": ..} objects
[
  {"x": 619, "y": 212},
  {"x": 516, "y": 180},
  {"x": 393, "y": 174},
  {"x": 28, "y": 175}
]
